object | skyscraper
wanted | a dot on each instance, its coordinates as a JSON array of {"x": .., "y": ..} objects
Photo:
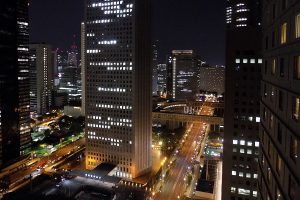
[
  {"x": 242, "y": 99},
  {"x": 182, "y": 68},
  {"x": 162, "y": 78},
  {"x": 211, "y": 78},
  {"x": 279, "y": 163},
  {"x": 14, "y": 80},
  {"x": 41, "y": 77},
  {"x": 83, "y": 67},
  {"x": 70, "y": 74},
  {"x": 154, "y": 67},
  {"x": 118, "y": 85}
]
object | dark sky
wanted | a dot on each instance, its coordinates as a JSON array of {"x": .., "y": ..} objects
[{"x": 177, "y": 24}]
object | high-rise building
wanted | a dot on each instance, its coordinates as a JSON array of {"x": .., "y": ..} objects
[
  {"x": 118, "y": 85},
  {"x": 182, "y": 68},
  {"x": 242, "y": 99},
  {"x": 14, "y": 80},
  {"x": 162, "y": 78},
  {"x": 41, "y": 78},
  {"x": 279, "y": 162},
  {"x": 154, "y": 67},
  {"x": 211, "y": 79},
  {"x": 83, "y": 67},
  {"x": 70, "y": 74}
]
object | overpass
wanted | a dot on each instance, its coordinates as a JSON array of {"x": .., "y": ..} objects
[
  {"x": 193, "y": 104},
  {"x": 178, "y": 114},
  {"x": 161, "y": 116},
  {"x": 174, "y": 120},
  {"x": 191, "y": 107}
]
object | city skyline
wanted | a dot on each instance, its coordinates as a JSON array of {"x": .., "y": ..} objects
[
  {"x": 125, "y": 99},
  {"x": 189, "y": 30}
]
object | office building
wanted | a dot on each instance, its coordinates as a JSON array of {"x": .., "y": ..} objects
[
  {"x": 211, "y": 79},
  {"x": 83, "y": 67},
  {"x": 14, "y": 80},
  {"x": 70, "y": 74},
  {"x": 41, "y": 78},
  {"x": 182, "y": 80},
  {"x": 154, "y": 67},
  {"x": 118, "y": 86},
  {"x": 242, "y": 99},
  {"x": 279, "y": 161},
  {"x": 162, "y": 78}
]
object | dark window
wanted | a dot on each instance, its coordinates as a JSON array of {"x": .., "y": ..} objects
[
  {"x": 297, "y": 67},
  {"x": 273, "y": 39},
  {"x": 281, "y": 67},
  {"x": 269, "y": 148},
  {"x": 292, "y": 189},
  {"x": 267, "y": 42},
  {"x": 279, "y": 133},
  {"x": 280, "y": 100},
  {"x": 274, "y": 11},
  {"x": 283, "y": 4}
]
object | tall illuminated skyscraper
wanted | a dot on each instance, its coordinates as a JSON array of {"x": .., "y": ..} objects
[
  {"x": 182, "y": 69},
  {"x": 118, "y": 85},
  {"x": 83, "y": 67},
  {"x": 41, "y": 77},
  {"x": 14, "y": 80},
  {"x": 242, "y": 99},
  {"x": 154, "y": 67}
]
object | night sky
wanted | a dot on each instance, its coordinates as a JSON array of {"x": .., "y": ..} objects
[{"x": 177, "y": 24}]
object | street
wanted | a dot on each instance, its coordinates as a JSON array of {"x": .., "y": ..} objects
[{"x": 175, "y": 184}]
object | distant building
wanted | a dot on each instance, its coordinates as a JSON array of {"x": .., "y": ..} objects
[
  {"x": 73, "y": 111},
  {"x": 118, "y": 86},
  {"x": 162, "y": 78},
  {"x": 69, "y": 74},
  {"x": 14, "y": 80},
  {"x": 41, "y": 78},
  {"x": 154, "y": 67},
  {"x": 211, "y": 79},
  {"x": 279, "y": 160},
  {"x": 182, "y": 80},
  {"x": 83, "y": 67}
]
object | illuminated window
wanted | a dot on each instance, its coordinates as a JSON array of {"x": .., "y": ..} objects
[
  {"x": 233, "y": 173},
  {"x": 255, "y": 193},
  {"x": 273, "y": 70},
  {"x": 242, "y": 142},
  {"x": 233, "y": 189},
  {"x": 296, "y": 108},
  {"x": 294, "y": 149},
  {"x": 297, "y": 26},
  {"x": 249, "y": 151},
  {"x": 278, "y": 164},
  {"x": 243, "y": 191},
  {"x": 283, "y": 33},
  {"x": 297, "y": 68},
  {"x": 278, "y": 195},
  {"x": 255, "y": 175}
]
